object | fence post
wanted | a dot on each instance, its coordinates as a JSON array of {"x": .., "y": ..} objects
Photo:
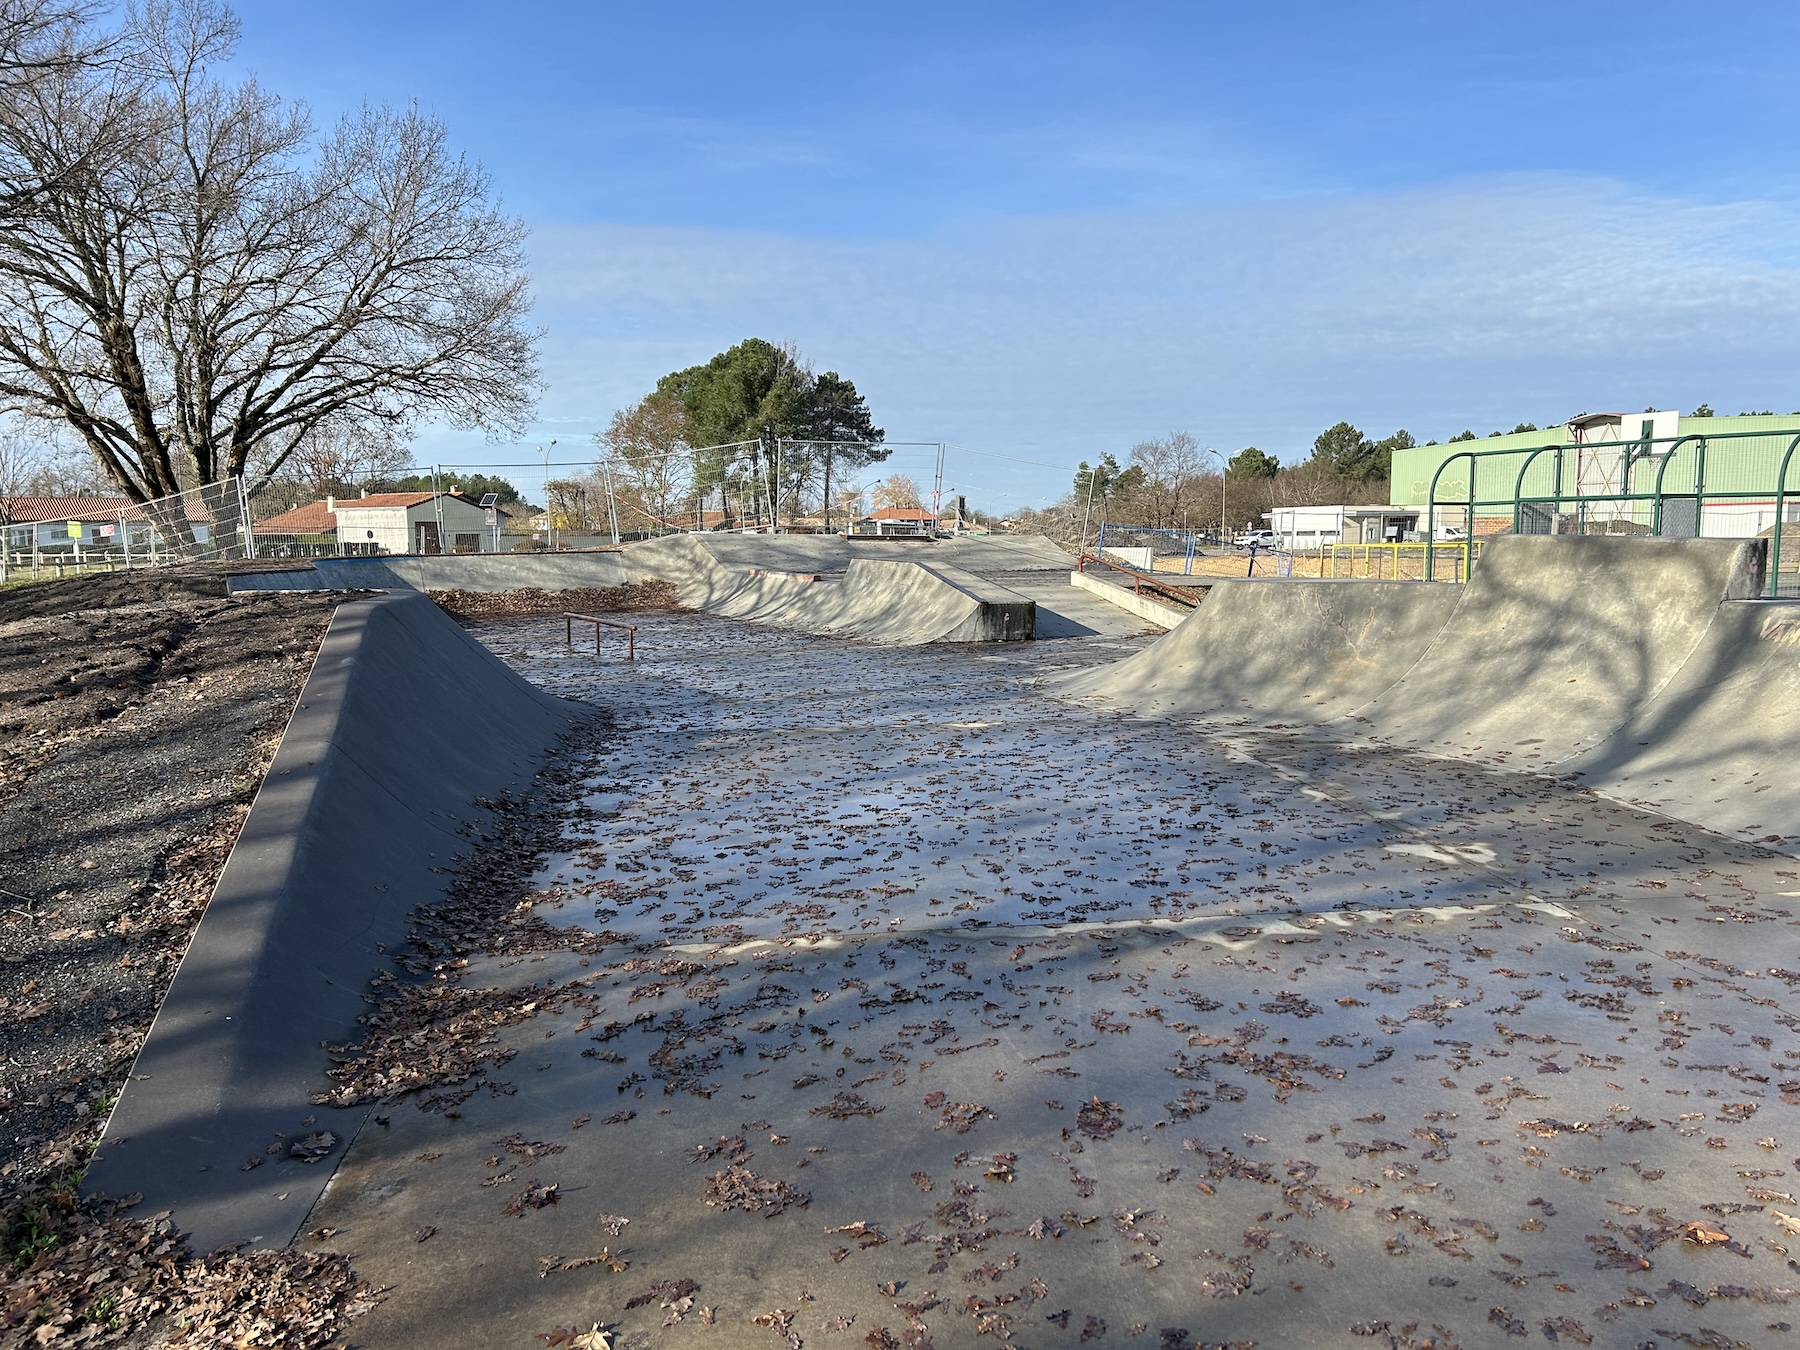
[
  {"x": 244, "y": 520},
  {"x": 1780, "y": 511}
]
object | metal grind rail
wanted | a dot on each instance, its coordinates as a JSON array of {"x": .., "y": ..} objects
[
  {"x": 569, "y": 619},
  {"x": 1140, "y": 583}
]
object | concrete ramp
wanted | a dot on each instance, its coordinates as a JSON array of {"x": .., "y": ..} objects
[
  {"x": 403, "y": 723},
  {"x": 1719, "y": 744},
  {"x": 1557, "y": 642},
  {"x": 1639, "y": 667},
  {"x": 884, "y": 591},
  {"x": 898, "y": 603},
  {"x": 1291, "y": 651}
]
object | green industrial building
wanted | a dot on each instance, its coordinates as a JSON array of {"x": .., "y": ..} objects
[{"x": 1638, "y": 473}]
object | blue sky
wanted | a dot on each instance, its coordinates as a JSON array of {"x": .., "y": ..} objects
[{"x": 1048, "y": 231}]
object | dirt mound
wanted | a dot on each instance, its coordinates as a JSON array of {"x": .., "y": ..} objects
[
  {"x": 635, "y": 595},
  {"x": 102, "y": 590},
  {"x": 132, "y": 738}
]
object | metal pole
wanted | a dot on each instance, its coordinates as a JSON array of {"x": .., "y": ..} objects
[
  {"x": 612, "y": 504},
  {"x": 437, "y": 504},
  {"x": 1086, "y": 513},
  {"x": 1780, "y": 511},
  {"x": 244, "y": 520},
  {"x": 937, "y": 490}
]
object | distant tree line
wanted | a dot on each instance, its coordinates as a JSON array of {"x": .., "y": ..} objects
[{"x": 1173, "y": 483}]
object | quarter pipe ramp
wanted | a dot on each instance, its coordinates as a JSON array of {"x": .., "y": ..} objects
[{"x": 1639, "y": 667}]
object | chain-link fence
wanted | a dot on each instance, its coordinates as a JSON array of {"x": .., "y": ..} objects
[
  {"x": 288, "y": 522},
  {"x": 1148, "y": 548},
  {"x": 203, "y": 524}
]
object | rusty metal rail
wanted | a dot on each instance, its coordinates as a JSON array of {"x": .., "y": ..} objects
[
  {"x": 1140, "y": 583},
  {"x": 599, "y": 623}
]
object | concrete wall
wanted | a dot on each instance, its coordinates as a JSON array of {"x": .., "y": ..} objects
[
  {"x": 402, "y": 723},
  {"x": 1155, "y": 611},
  {"x": 919, "y": 596}
]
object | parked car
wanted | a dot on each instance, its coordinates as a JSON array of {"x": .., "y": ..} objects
[
  {"x": 1261, "y": 538},
  {"x": 1450, "y": 532}
]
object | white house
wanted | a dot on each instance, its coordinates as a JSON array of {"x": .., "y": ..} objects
[
  {"x": 393, "y": 522},
  {"x": 94, "y": 522}
]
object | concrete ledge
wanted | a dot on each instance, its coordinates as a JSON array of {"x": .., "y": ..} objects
[
  {"x": 481, "y": 572},
  {"x": 1158, "y": 612},
  {"x": 404, "y": 720}
]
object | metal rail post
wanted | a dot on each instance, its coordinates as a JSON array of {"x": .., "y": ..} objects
[
  {"x": 569, "y": 618},
  {"x": 1780, "y": 511}
]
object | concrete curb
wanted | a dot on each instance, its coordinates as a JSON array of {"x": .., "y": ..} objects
[
  {"x": 1150, "y": 610},
  {"x": 403, "y": 721}
]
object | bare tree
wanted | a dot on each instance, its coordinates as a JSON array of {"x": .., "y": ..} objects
[
  {"x": 338, "y": 460},
  {"x": 569, "y": 503},
  {"x": 21, "y": 457},
  {"x": 33, "y": 464},
  {"x": 1169, "y": 465},
  {"x": 897, "y": 489},
  {"x": 650, "y": 447},
  {"x": 201, "y": 281}
]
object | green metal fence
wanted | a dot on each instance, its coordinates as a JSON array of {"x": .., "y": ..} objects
[{"x": 1735, "y": 485}]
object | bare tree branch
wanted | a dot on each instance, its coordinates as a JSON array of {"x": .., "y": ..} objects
[{"x": 201, "y": 283}]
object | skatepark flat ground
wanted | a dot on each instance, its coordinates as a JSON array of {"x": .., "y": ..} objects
[{"x": 959, "y": 1014}]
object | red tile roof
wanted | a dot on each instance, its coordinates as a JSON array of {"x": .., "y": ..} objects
[
  {"x": 392, "y": 499},
  {"x": 901, "y": 513},
  {"x": 312, "y": 518},
  {"x": 33, "y": 510}
]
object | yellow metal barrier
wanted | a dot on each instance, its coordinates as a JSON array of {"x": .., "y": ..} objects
[{"x": 1451, "y": 560}]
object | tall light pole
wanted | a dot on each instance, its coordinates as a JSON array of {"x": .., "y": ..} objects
[
  {"x": 1222, "y": 475},
  {"x": 1087, "y": 511},
  {"x": 549, "y": 514}
]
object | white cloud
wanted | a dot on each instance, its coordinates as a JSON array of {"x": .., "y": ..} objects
[{"x": 1478, "y": 304}]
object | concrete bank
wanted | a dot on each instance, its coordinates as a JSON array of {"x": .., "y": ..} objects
[
  {"x": 916, "y": 593},
  {"x": 403, "y": 722},
  {"x": 1636, "y": 666},
  {"x": 1283, "y": 650},
  {"x": 480, "y": 572},
  {"x": 1556, "y": 642}
]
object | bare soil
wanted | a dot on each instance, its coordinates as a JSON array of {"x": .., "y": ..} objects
[
  {"x": 138, "y": 712},
  {"x": 482, "y": 605}
]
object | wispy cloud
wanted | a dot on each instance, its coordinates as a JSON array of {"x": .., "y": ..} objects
[{"x": 1477, "y": 304}]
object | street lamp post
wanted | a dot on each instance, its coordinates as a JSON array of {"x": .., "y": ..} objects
[{"x": 549, "y": 513}]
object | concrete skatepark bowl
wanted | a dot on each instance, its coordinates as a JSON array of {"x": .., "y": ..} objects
[{"x": 961, "y": 1007}]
